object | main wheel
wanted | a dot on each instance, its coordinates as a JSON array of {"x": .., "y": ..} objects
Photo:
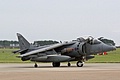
[
  {"x": 56, "y": 64},
  {"x": 35, "y": 65},
  {"x": 69, "y": 64},
  {"x": 79, "y": 64}
]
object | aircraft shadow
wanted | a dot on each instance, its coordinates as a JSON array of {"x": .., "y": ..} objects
[{"x": 44, "y": 67}]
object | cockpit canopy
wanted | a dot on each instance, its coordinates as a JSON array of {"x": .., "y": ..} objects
[
  {"x": 89, "y": 40},
  {"x": 81, "y": 39},
  {"x": 95, "y": 41}
]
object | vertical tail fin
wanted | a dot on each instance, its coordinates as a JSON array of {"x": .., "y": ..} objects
[{"x": 23, "y": 43}]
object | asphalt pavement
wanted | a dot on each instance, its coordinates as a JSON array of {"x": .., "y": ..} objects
[{"x": 45, "y": 71}]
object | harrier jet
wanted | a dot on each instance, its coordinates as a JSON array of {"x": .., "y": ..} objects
[{"x": 78, "y": 50}]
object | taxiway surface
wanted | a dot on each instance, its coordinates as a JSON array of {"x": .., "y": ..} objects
[{"x": 90, "y": 71}]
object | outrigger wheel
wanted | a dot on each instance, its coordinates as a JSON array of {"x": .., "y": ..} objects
[
  {"x": 35, "y": 65},
  {"x": 69, "y": 64}
]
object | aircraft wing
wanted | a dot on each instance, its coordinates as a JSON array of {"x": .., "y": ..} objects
[{"x": 46, "y": 49}]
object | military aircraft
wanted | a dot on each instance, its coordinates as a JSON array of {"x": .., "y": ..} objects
[{"x": 78, "y": 50}]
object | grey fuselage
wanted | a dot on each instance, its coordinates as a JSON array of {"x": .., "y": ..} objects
[{"x": 75, "y": 52}]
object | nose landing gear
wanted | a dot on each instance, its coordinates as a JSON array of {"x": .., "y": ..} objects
[{"x": 79, "y": 64}]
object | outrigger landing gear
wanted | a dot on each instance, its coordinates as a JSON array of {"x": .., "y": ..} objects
[
  {"x": 79, "y": 64},
  {"x": 35, "y": 65},
  {"x": 69, "y": 64}
]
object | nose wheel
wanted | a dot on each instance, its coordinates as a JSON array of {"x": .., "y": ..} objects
[{"x": 79, "y": 64}]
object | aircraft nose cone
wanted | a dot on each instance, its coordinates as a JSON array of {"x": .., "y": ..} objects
[
  {"x": 108, "y": 48},
  {"x": 111, "y": 48},
  {"x": 114, "y": 48}
]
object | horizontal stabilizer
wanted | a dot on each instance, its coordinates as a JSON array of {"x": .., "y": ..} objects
[{"x": 19, "y": 51}]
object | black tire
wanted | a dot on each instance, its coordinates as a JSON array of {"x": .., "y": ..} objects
[
  {"x": 69, "y": 64},
  {"x": 79, "y": 64},
  {"x": 56, "y": 64},
  {"x": 35, "y": 65}
]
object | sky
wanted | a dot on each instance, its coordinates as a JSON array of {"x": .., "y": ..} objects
[{"x": 59, "y": 20}]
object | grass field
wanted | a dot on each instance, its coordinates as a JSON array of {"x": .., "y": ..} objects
[
  {"x": 6, "y": 56},
  {"x": 111, "y": 57}
]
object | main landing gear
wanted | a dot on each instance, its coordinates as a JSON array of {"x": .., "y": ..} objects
[{"x": 56, "y": 64}]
